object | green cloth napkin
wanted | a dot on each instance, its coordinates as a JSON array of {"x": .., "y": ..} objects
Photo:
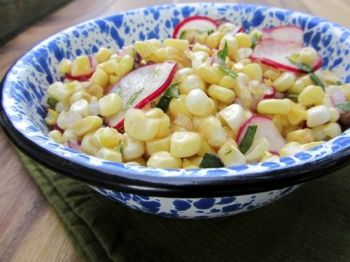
[{"x": 311, "y": 224}]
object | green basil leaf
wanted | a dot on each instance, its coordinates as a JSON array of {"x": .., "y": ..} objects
[
  {"x": 210, "y": 161},
  {"x": 248, "y": 139},
  {"x": 228, "y": 71}
]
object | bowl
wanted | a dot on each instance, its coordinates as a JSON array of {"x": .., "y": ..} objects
[{"x": 179, "y": 193}]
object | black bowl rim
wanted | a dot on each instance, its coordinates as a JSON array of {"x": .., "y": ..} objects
[{"x": 182, "y": 187}]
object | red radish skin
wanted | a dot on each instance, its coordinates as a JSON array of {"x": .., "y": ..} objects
[
  {"x": 266, "y": 128},
  {"x": 211, "y": 24},
  {"x": 275, "y": 54},
  {"x": 147, "y": 95},
  {"x": 287, "y": 33},
  {"x": 269, "y": 93},
  {"x": 86, "y": 77}
]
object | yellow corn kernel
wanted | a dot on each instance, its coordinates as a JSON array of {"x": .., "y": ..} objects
[
  {"x": 110, "y": 104},
  {"x": 346, "y": 89},
  {"x": 81, "y": 106},
  {"x": 198, "y": 59},
  {"x": 318, "y": 133},
  {"x": 206, "y": 148},
  {"x": 164, "y": 128},
  {"x": 162, "y": 144},
  {"x": 185, "y": 144},
  {"x": 301, "y": 136},
  {"x": 191, "y": 82},
  {"x": 109, "y": 154},
  {"x": 68, "y": 119},
  {"x": 178, "y": 106},
  {"x": 132, "y": 149},
  {"x": 267, "y": 156},
  {"x": 334, "y": 114},
  {"x": 86, "y": 125},
  {"x": 243, "y": 40},
  {"x": 272, "y": 74},
  {"x": 254, "y": 71},
  {"x": 198, "y": 103},
  {"x": 113, "y": 79},
  {"x": 311, "y": 95},
  {"x": 95, "y": 90},
  {"x": 300, "y": 84},
  {"x": 138, "y": 126},
  {"x": 230, "y": 155},
  {"x": 80, "y": 95},
  {"x": 81, "y": 66},
  {"x": 310, "y": 145},
  {"x": 59, "y": 91},
  {"x": 277, "y": 120},
  {"x": 62, "y": 106},
  {"x": 242, "y": 54},
  {"x": 213, "y": 39},
  {"x": 329, "y": 77},
  {"x": 212, "y": 131},
  {"x": 87, "y": 145},
  {"x": 125, "y": 66},
  {"x": 180, "y": 44},
  {"x": 56, "y": 136},
  {"x": 107, "y": 137},
  {"x": 182, "y": 73},
  {"x": 69, "y": 135},
  {"x": 256, "y": 151},
  {"x": 227, "y": 27},
  {"x": 209, "y": 74},
  {"x": 99, "y": 77},
  {"x": 229, "y": 132},
  {"x": 275, "y": 106},
  {"x": 290, "y": 148},
  {"x": 147, "y": 48},
  {"x": 332, "y": 129},
  {"x": 297, "y": 114},
  {"x": 164, "y": 159},
  {"x": 108, "y": 66},
  {"x": 187, "y": 164},
  {"x": 232, "y": 44},
  {"x": 184, "y": 121},
  {"x": 103, "y": 55},
  {"x": 307, "y": 55},
  {"x": 51, "y": 117},
  {"x": 284, "y": 81},
  {"x": 197, "y": 47},
  {"x": 317, "y": 115},
  {"x": 137, "y": 162},
  {"x": 221, "y": 94},
  {"x": 228, "y": 82},
  {"x": 65, "y": 66},
  {"x": 170, "y": 53}
]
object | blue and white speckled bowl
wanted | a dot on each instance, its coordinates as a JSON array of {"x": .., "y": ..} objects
[{"x": 180, "y": 193}]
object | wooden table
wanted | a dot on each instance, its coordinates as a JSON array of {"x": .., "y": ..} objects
[{"x": 29, "y": 228}]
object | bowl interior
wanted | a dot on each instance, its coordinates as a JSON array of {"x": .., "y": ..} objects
[{"x": 26, "y": 83}]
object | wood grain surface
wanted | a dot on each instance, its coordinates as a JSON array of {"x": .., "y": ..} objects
[{"x": 29, "y": 228}]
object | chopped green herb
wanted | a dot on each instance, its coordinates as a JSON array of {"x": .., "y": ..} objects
[
  {"x": 338, "y": 83},
  {"x": 222, "y": 54},
  {"x": 228, "y": 152},
  {"x": 52, "y": 102},
  {"x": 302, "y": 66},
  {"x": 132, "y": 99},
  {"x": 210, "y": 160},
  {"x": 170, "y": 93},
  {"x": 254, "y": 41},
  {"x": 316, "y": 80},
  {"x": 121, "y": 149},
  {"x": 344, "y": 106},
  {"x": 248, "y": 139},
  {"x": 210, "y": 32},
  {"x": 183, "y": 34},
  {"x": 228, "y": 71}
]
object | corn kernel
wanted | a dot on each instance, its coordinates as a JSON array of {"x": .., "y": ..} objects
[
  {"x": 162, "y": 144},
  {"x": 257, "y": 150},
  {"x": 297, "y": 114},
  {"x": 109, "y": 154},
  {"x": 234, "y": 116},
  {"x": 254, "y": 71},
  {"x": 284, "y": 81},
  {"x": 107, "y": 137},
  {"x": 103, "y": 55},
  {"x": 59, "y": 91},
  {"x": 125, "y": 66},
  {"x": 81, "y": 106},
  {"x": 163, "y": 159},
  {"x": 137, "y": 162},
  {"x": 140, "y": 127},
  {"x": 317, "y": 115},
  {"x": 206, "y": 148},
  {"x": 180, "y": 44},
  {"x": 213, "y": 39},
  {"x": 185, "y": 144},
  {"x": 307, "y": 55},
  {"x": 61, "y": 106},
  {"x": 275, "y": 106},
  {"x": 212, "y": 131},
  {"x": 242, "y": 54},
  {"x": 110, "y": 104},
  {"x": 81, "y": 66},
  {"x": 108, "y": 66},
  {"x": 86, "y": 125},
  {"x": 198, "y": 103},
  {"x": 178, "y": 106},
  {"x": 65, "y": 66},
  {"x": 290, "y": 148},
  {"x": 99, "y": 77},
  {"x": 267, "y": 156},
  {"x": 346, "y": 89},
  {"x": 318, "y": 133},
  {"x": 95, "y": 90},
  {"x": 310, "y": 145},
  {"x": 197, "y": 47},
  {"x": 56, "y": 136},
  {"x": 198, "y": 59},
  {"x": 68, "y": 119},
  {"x": 187, "y": 164},
  {"x": 113, "y": 79},
  {"x": 191, "y": 82},
  {"x": 184, "y": 121},
  {"x": 272, "y": 74},
  {"x": 132, "y": 149},
  {"x": 87, "y": 146},
  {"x": 222, "y": 94},
  {"x": 209, "y": 74},
  {"x": 335, "y": 115},
  {"x": 228, "y": 82},
  {"x": 69, "y": 135},
  {"x": 232, "y": 44},
  {"x": 51, "y": 117},
  {"x": 332, "y": 129},
  {"x": 311, "y": 95},
  {"x": 243, "y": 40},
  {"x": 147, "y": 48},
  {"x": 182, "y": 73},
  {"x": 329, "y": 77},
  {"x": 230, "y": 155},
  {"x": 301, "y": 136}
]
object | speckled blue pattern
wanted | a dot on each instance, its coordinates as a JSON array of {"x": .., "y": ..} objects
[{"x": 27, "y": 82}]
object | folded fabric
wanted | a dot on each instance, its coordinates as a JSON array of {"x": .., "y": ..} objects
[{"x": 311, "y": 224}]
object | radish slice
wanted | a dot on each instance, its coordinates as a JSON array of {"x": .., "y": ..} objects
[
  {"x": 266, "y": 128},
  {"x": 269, "y": 92},
  {"x": 289, "y": 33},
  {"x": 200, "y": 23},
  {"x": 275, "y": 54},
  {"x": 86, "y": 77},
  {"x": 337, "y": 95},
  {"x": 140, "y": 87}
]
